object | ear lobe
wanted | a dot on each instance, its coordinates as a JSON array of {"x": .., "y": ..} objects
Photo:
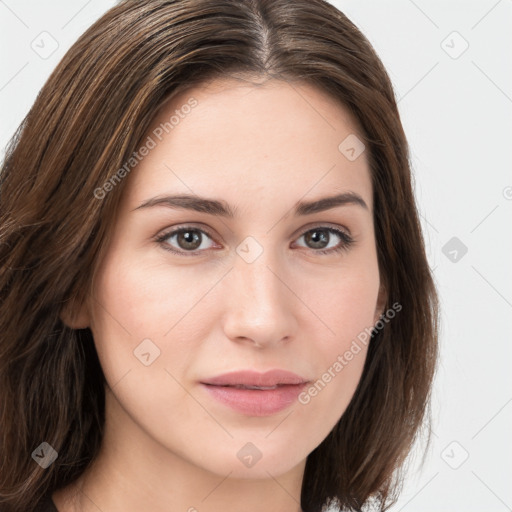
[{"x": 74, "y": 319}]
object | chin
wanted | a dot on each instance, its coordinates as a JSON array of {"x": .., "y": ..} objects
[{"x": 255, "y": 460}]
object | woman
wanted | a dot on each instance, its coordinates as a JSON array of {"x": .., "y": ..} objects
[{"x": 215, "y": 294}]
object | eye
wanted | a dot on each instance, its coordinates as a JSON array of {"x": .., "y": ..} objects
[
  {"x": 320, "y": 239},
  {"x": 190, "y": 241}
]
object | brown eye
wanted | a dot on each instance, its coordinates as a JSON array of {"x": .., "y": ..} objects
[
  {"x": 189, "y": 240},
  {"x": 185, "y": 240},
  {"x": 319, "y": 239}
]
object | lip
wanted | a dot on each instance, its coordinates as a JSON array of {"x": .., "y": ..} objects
[
  {"x": 254, "y": 378},
  {"x": 256, "y": 402}
]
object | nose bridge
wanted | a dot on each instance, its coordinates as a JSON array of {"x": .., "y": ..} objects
[
  {"x": 259, "y": 307},
  {"x": 257, "y": 282}
]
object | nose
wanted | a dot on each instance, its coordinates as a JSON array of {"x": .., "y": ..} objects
[{"x": 259, "y": 307}]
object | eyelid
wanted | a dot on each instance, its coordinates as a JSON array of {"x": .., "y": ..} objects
[{"x": 325, "y": 225}]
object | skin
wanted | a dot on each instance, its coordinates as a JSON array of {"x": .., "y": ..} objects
[{"x": 168, "y": 445}]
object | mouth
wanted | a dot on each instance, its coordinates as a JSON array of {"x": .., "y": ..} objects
[
  {"x": 253, "y": 379},
  {"x": 256, "y": 394},
  {"x": 243, "y": 386}
]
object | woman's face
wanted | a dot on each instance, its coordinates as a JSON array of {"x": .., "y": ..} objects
[{"x": 262, "y": 289}]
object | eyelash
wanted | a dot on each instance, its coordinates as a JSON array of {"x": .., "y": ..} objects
[{"x": 346, "y": 240}]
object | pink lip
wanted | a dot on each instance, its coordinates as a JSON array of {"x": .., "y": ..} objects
[{"x": 255, "y": 402}]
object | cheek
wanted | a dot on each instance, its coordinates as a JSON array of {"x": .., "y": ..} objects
[
  {"x": 144, "y": 337},
  {"x": 144, "y": 297},
  {"x": 346, "y": 308},
  {"x": 135, "y": 302},
  {"x": 345, "y": 304}
]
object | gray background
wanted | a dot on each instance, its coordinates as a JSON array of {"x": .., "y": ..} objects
[{"x": 456, "y": 106}]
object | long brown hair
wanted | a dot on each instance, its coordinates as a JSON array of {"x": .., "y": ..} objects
[{"x": 85, "y": 124}]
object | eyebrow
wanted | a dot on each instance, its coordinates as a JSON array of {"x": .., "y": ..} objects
[{"x": 222, "y": 209}]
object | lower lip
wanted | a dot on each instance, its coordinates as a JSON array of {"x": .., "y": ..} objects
[{"x": 256, "y": 402}]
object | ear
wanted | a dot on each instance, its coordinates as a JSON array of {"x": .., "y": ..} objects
[
  {"x": 381, "y": 303},
  {"x": 75, "y": 318}
]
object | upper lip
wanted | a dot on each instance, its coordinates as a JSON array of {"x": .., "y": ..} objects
[{"x": 253, "y": 378}]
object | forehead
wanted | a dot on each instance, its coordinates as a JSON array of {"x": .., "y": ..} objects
[{"x": 261, "y": 140}]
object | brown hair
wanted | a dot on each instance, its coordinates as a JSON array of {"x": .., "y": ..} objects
[{"x": 88, "y": 119}]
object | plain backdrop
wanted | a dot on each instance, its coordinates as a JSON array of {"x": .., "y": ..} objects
[{"x": 450, "y": 64}]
